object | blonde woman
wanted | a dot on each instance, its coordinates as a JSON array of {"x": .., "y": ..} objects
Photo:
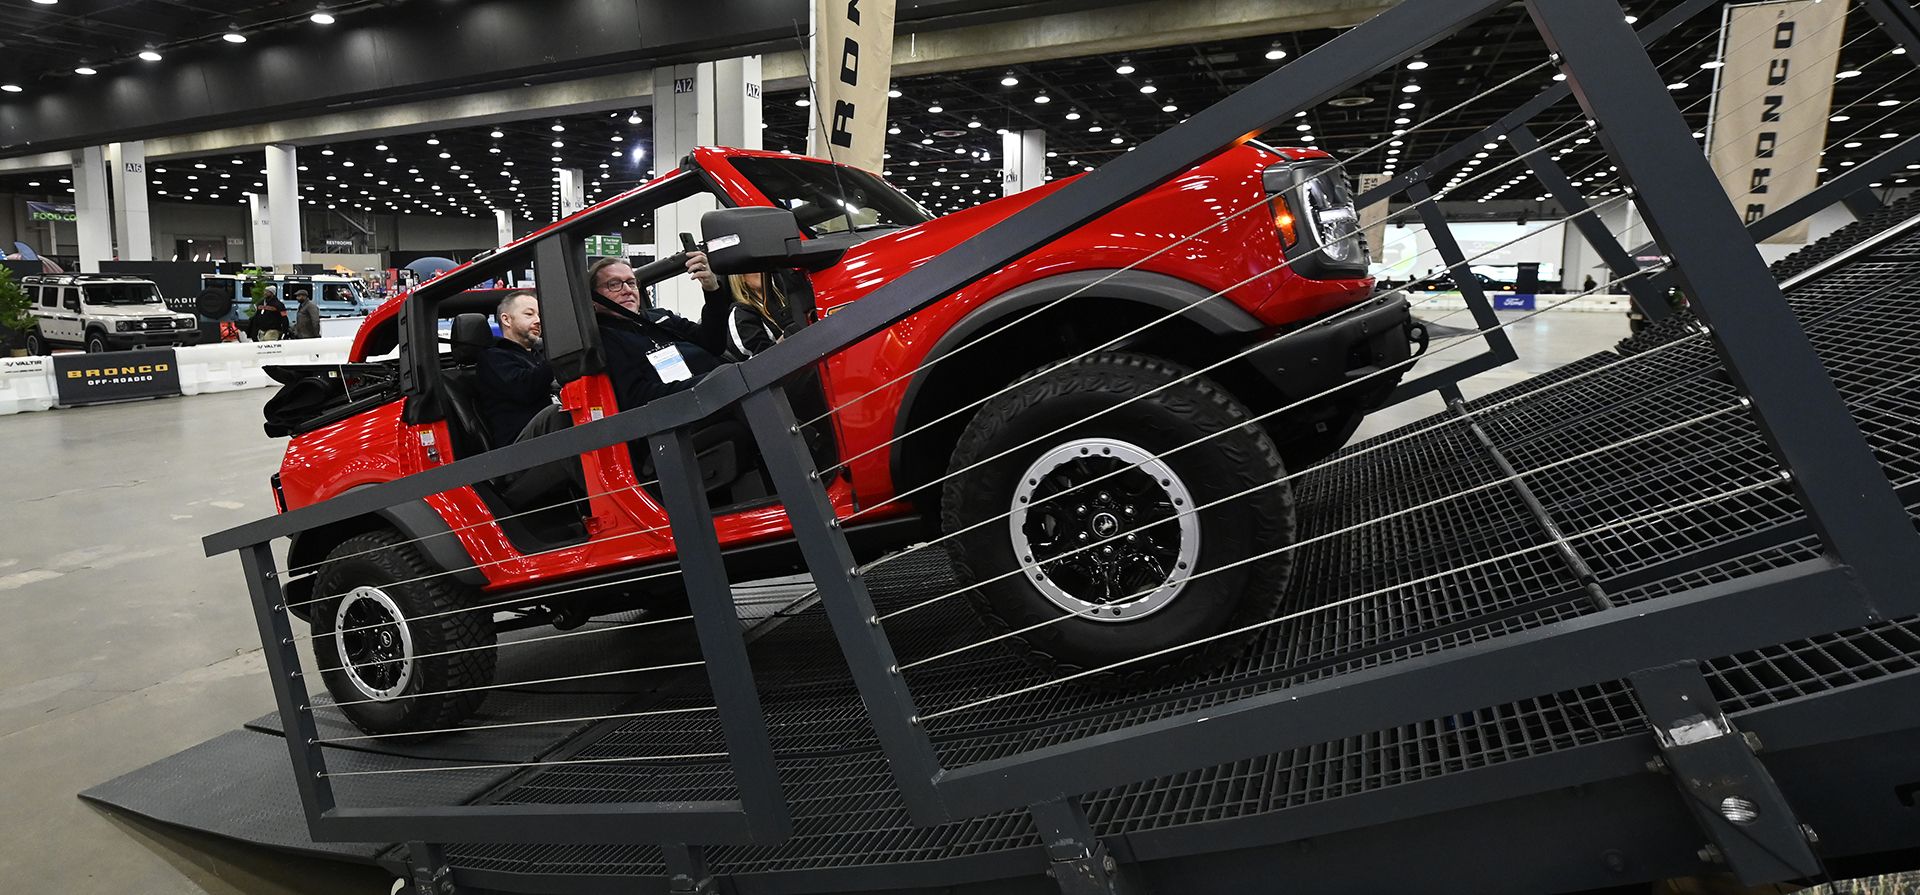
[{"x": 759, "y": 315}]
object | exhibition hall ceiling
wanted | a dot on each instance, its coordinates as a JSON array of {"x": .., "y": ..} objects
[{"x": 947, "y": 149}]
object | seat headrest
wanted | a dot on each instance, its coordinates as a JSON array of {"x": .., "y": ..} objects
[{"x": 472, "y": 335}]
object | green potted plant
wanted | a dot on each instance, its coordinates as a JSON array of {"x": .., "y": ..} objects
[{"x": 16, "y": 314}]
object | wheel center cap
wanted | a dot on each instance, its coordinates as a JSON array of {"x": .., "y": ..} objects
[{"x": 1105, "y": 524}]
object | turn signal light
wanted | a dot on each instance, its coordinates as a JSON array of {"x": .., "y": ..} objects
[{"x": 1283, "y": 221}]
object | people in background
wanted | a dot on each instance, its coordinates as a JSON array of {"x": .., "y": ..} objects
[
  {"x": 1588, "y": 284},
  {"x": 306, "y": 318},
  {"x": 652, "y": 352},
  {"x": 515, "y": 382},
  {"x": 269, "y": 321}
]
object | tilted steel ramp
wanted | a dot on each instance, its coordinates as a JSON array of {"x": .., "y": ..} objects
[{"x": 1501, "y": 768}]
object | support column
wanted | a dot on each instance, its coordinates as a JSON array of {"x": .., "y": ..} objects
[
  {"x": 258, "y": 233},
  {"x": 283, "y": 209},
  {"x": 132, "y": 222},
  {"x": 704, "y": 104},
  {"x": 1023, "y": 158},
  {"x": 503, "y": 225},
  {"x": 93, "y": 218},
  {"x": 573, "y": 190}
]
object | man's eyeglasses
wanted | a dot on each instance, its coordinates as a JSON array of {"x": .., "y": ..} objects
[{"x": 620, "y": 285}]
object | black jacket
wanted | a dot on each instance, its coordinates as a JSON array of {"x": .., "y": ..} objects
[
  {"x": 628, "y": 343},
  {"x": 513, "y": 384}
]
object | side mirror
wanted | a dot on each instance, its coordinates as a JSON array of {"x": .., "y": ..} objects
[{"x": 745, "y": 240}]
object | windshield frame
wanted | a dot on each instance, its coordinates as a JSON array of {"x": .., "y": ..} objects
[{"x": 838, "y": 179}]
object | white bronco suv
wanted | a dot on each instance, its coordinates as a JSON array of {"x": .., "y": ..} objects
[{"x": 102, "y": 312}]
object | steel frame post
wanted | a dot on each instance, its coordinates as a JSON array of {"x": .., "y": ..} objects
[
  {"x": 1862, "y": 203},
  {"x": 843, "y": 593},
  {"x": 1835, "y": 475},
  {"x": 289, "y": 685},
  {"x": 1436, "y": 223},
  {"x": 704, "y": 572},
  {"x": 687, "y": 872},
  {"x": 1725, "y": 787},
  {"x": 1901, "y": 22},
  {"x": 1591, "y": 228},
  {"x": 428, "y": 871},
  {"x": 1077, "y": 860}
]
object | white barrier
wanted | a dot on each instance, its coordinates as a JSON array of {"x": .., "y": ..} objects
[
  {"x": 232, "y": 366},
  {"x": 26, "y": 383},
  {"x": 1593, "y": 304}
]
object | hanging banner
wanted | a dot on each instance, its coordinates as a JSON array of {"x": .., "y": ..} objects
[
  {"x": 1771, "y": 102},
  {"x": 51, "y": 211},
  {"x": 852, "y": 61},
  {"x": 1373, "y": 218}
]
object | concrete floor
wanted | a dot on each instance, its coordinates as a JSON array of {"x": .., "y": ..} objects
[{"x": 124, "y": 644}]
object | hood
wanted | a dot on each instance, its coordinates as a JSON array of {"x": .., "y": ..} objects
[{"x": 156, "y": 309}]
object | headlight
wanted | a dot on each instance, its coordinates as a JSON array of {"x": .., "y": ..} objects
[
  {"x": 1335, "y": 223},
  {"x": 126, "y": 325},
  {"x": 183, "y": 322}
]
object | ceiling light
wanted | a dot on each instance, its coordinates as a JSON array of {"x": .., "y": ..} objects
[
  {"x": 10, "y": 88},
  {"x": 1887, "y": 103},
  {"x": 1410, "y": 88},
  {"x": 803, "y": 102},
  {"x": 1169, "y": 107},
  {"x": 433, "y": 141},
  {"x": 1560, "y": 77},
  {"x": 1275, "y": 54},
  {"x": 1148, "y": 87},
  {"x": 321, "y": 17},
  {"x": 1094, "y": 129},
  {"x": 559, "y": 143},
  {"x": 233, "y": 35},
  {"x": 1713, "y": 64},
  {"x": 1043, "y": 99},
  {"x": 1417, "y": 65},
  {"x": 85, "y": 69},
  {"x": 557, "y": 127},
  {"x": 1849, "y": 73},
  {"x": 1009, "y": 80},
  {"x": 1405, "y": 106},
  {"x": 935, "y": 109},
  {"x": 1839, "y": 118},
  {"x": 1125, "y": 67},
  {"x": 1073, "y": 116},
  {"x": 1677, "y": 85},
  {"x": 149, "y": 55}
]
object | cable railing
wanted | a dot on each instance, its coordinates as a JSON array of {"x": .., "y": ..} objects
[{"x": 1209, "y": 545}]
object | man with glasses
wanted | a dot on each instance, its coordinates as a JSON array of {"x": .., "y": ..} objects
[{"x": 652, "y": 351}]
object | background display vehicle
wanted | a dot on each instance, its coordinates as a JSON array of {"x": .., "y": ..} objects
[
  {"x": 1096, "y": 321},
  {"x": 229, "y": 295},
  {"x": 102, "y": 312}
]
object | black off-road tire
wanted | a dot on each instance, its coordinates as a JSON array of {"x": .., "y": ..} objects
[
  {"x": 97, "y": 342},
  {"x": 1219, "y": 600},
  {"x": 37, "y": 345},
  {"x": 378, "y": 559}
]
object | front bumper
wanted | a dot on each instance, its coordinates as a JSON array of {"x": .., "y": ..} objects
[
  {"x": 153, "y": 339},
  {"x": 1343, "y": 347}
]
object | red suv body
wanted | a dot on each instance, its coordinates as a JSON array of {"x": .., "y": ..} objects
[{"x": 1196, "y": 284}]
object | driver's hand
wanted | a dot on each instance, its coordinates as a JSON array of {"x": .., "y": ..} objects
[{"x": 701, "y": 272}]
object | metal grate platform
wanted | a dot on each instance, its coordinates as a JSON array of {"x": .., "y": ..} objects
[{"x": 1865, "y": 320}]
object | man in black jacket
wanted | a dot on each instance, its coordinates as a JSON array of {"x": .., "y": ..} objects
[
  {"x": 515, "y": 383},
  {"x": 663, "y": 352}
]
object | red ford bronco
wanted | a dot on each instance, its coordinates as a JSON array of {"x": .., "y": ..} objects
[{"x": 404, "y": 603}]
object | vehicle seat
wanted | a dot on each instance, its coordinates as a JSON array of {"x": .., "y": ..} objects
[{"x": 471, "y": 337}]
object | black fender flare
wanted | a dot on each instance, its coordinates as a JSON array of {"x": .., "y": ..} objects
[
  {"x": 1159, "y": 291},
  {"x": 415, "y": 520}
]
